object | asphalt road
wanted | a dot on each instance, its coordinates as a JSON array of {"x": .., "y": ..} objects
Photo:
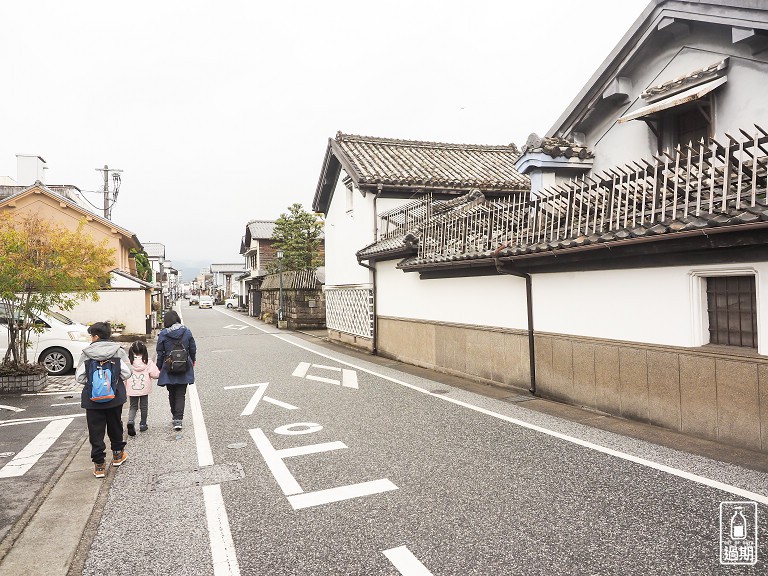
[
  {"x": 37, "y": 433},
  {"x": 314, "y": 462}
]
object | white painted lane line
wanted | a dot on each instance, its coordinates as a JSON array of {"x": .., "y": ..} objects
[
  {"x": 301, "y": 369},
  {"x": 17, "y": 421},
  {"x": 32, "y": 452},
  {"x": 204, "y": 454},
  {"x": 321, "y": 379},
  {"x": 67, "y": 404},
  {"x": 11, "y": 408},
  {"x": 405, "y": 562},
  {"x": 349, "y": 379},
  {"x": 245, "y": 386},
  {"x": 223, "y": 551},
  {"x": 253, "y": 402},
  {"x": 222, "y": 545},
  {"x": 589, "y": 445},
  {"x": 320, "y": 497},
  {"x": 279, "y": 470},
  {"x": 334, "y": 368},
  {"x": 279, "y": 403}
]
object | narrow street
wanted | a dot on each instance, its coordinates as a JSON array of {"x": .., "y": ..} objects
[{"x": 300, "y": 460}]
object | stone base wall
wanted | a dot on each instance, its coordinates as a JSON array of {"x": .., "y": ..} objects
[
  {"x": 350, "y": 339},
  {"x": 708, "y": 392},
  {"x": 303, "y": 308},
  {"x": 23, "y": 383}
]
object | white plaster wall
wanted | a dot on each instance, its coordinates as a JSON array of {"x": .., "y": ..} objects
[
  {"x": 485, "y": 300},
  {"x": 126, "y": 306},
  {"x": 665, "y": 306},
  {"x": 345, "y": 233}
]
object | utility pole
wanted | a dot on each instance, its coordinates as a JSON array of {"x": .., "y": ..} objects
[{"x": 108, "y": 204}]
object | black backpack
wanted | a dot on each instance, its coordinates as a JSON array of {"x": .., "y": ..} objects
[{"x": 177, "y": 360}]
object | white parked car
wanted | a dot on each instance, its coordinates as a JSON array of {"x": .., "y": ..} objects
[
  {"x": 233, "y": 302},
  {"x": 206, "y": 302},
  {"x": 57, "y": 347}
]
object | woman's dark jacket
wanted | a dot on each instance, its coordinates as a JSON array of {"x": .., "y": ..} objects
[{"x": 165, "y": 343}]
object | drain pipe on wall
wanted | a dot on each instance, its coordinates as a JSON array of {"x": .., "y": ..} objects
[
  {"x": 529, "y": 302},
  {"x": 372, "y": 268}
]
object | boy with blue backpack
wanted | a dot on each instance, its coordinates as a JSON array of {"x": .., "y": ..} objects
[{"x": 102, "y": 369}]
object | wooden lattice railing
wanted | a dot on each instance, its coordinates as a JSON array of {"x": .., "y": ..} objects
[{"x": 708, "y": 177}]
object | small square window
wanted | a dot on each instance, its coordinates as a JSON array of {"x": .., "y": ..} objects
[{"x": 732, "y": 311}]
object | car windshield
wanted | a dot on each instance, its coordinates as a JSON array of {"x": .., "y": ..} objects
[{"x": 60, "y": 317}]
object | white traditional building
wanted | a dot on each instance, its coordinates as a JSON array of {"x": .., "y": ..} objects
[{"x": 631, "y": 279}]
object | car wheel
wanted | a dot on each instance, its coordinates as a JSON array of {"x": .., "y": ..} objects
[
  {"x": 229, "y": 305},
  {"x": 57, "y": 361}
]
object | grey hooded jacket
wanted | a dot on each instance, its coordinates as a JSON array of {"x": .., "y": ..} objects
[{"x": 103, "y": 350}]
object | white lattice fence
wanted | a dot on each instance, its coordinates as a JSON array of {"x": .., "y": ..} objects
[{"x": 350, "y": 310}]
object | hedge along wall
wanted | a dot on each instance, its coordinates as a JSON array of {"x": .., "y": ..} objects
[{"x": 303, "y": 299}]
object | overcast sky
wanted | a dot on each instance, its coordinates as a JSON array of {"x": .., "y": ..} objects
[{"x": 220, "y": 112}]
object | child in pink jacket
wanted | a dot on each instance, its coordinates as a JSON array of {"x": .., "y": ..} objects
[{"x": 139, "y": 384}]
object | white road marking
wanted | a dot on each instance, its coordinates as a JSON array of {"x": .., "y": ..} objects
[
  {"x": 251, "y": 406},
  {"x": 703, "y": 480},
  {"x": 67, "y": 404},
  {"x": 11, "y": 408},
  {"x": 307, "y": 428},
  {"x": 204, "y": 454},
  {"x": 279, "y": 403},
  {"x": 245, "y": 386},
  {"x": 223, "y": 551},
  {"x": 320, "y": 497},
  {"x": 301, "y": 369},
  {"x": 349, "y": 379},
  {"x": 326, "y": 380},
  {"x": 236, "y": 327},
  {"x": 32, "y": 452},
  {"x": 222, "y": 545},
  {"x": 334, "y": 368},
  {"x": 405, "y": 562},
  {"x": 291, "y": 488},
  {"x": 18, "y": 421}
]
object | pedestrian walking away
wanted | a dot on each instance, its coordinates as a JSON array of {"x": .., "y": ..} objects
[
  {"x": 139, "y": 385},
  {"x": 102, "y": 369},
  {"x": 176, "y": 357}
]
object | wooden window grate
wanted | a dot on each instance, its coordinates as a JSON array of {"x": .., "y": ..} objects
[{"x": 732, "y": 311}]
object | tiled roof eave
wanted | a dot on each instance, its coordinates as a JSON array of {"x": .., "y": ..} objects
[
  {"x": 464, "y": 263},
  {"x": 386, "y": 254}
]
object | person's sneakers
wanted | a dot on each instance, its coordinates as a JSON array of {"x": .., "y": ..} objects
[
  {"x": 99, "y": 470},
  {"x": 119, "y": 457},
  {"x": 177, "y": 424},
  {"x": 143, "y": 427},
  {"x": 131, "y": 429}
]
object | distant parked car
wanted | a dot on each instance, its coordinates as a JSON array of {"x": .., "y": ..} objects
[
  {"x": 194, "y": 299},
  {"x": 233, "y": 302},
  {"x": 206, "y": 302}
]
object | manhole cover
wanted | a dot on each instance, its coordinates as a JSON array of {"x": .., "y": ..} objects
[
  {"x": 237, "y": 445},
  {"x": 439, "y": 391},
  {"x": 204, "y": 476}
]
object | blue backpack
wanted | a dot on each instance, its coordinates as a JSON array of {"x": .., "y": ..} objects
[{"x": 102, "y": 377}]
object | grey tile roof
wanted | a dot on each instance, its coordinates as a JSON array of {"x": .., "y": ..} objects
[
  {"x": 687, "y": 80},
  {"x": 261, "y": 229},
  {"x": 555, "y": 146},
  {"x": 395, "y": 162}
]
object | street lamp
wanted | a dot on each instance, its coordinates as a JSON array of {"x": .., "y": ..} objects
[{"x": 280, "y": 271}]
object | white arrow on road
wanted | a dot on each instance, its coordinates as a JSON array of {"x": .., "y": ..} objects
[{"x": 258, "y": 396}]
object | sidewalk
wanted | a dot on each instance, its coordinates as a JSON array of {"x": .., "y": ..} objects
[{"x": 55, "y": 540}]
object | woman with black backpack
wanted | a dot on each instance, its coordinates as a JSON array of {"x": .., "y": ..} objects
[{"x": 176, "y": 353}]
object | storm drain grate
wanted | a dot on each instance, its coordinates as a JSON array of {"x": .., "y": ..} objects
[{"x": 202, "y": 476}]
